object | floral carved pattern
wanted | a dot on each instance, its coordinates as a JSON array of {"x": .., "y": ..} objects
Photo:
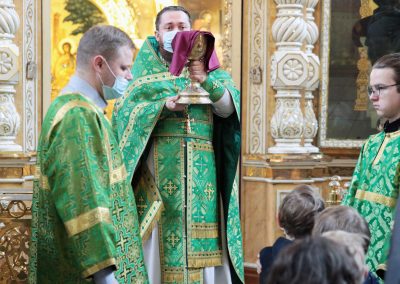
[
  {"x": 293, "y": 69},
  {"x": 257, "y": 100},
  {"x": 6, "y": 62}
]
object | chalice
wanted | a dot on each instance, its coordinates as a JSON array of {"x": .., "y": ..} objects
[{"x": 194, "y": 93}]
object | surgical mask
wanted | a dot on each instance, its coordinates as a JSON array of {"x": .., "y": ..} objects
[
  {"x": 167, "y": 40},
  {"x": 118, "y": 89}
]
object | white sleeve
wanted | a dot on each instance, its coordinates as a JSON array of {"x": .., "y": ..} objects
[
  {"x": 224, "y": 106},
  {"x": 105, "y": 276}
]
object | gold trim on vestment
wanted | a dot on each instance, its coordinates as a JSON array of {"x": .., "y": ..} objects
[
  {"x": 177, "y": 275},
  {"x": 204, "y": 230},
  {"x": 205, "y": 259},
  {"x": 382, "y": 266},
  {"x": 381, "y": 150},
  {"x": 97, "y": 267},
  {"x": 208, "y": 147},
  {"x": 158, "y": 77},
  {"x": 107, "y": 145},
  {"x": 186, "y": 135},
  {"x": 38, "y": 172},
  {"x": 154, "y": 213},
  {"x": 386, "y": 140},
  {"x": 132, "y": 121},
  {"x": 376, "y": 197},
  {"x": 64, "y": 109},
  {"x": 87, "y": 220},
  {"x": 44, "y": 182},
  {"x": 42, "y": 179},
  {"x": 118, "y": 174}
]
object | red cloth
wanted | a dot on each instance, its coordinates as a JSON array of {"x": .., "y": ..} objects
[{"x": 182, "y": 45}]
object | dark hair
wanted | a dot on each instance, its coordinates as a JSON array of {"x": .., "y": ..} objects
[
  {"x": 169, "y": 9},
  {"x": 316, "y": 260},
  {"x": 298, "y": 210},
  {"x": 342, "y": 218},
  {"x": 102, "y": 40},
  {"x": 390, "y": 61}
]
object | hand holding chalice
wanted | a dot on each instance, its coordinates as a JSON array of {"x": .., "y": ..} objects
[{"x": 190, "y": 46}]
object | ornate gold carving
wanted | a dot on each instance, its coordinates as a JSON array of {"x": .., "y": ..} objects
[
  {"x": 14, "y": 209},
  {"x": 363, "y": 66},
  {"x": 11, "y": 172},
  {"x": 14, "y": 251},
  {"x": 14, "y": 237}
]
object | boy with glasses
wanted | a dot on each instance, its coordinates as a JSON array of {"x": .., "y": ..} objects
[{"x": 375, "y": 184}]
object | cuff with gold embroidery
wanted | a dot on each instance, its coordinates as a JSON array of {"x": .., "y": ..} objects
[{"x": 214, "y": 87}]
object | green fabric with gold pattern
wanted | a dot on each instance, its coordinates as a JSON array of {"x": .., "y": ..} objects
[
  {"x": 191, "y": 149},
  {"x": 84, "y": 216},
  {"x": 374, "y": 191}
]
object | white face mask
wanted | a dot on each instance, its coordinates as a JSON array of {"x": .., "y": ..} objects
[
  {"x": 167, "y": 40},
  {"x": 118, "y": 89}
]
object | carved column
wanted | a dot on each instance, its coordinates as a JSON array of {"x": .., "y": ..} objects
[
  {"x": 310, "y": 121},
  {"x": 9, "y": 53},
  {"x": 289, "y": 76}
]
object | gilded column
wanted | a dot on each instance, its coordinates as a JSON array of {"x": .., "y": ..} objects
[
  {"x": 310, "y": 121},
  {"x": 9, "y": 54},
  {"x": 289, "y": 76}
]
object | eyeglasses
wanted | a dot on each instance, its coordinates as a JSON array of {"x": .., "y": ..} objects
[{"x": 378, "y": 89}]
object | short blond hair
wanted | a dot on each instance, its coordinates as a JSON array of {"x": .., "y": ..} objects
[{"x": 104, "y": 40}]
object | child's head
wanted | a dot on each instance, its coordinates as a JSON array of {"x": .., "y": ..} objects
[
  {"x": 298, "y": 211},
  {"x": 316, "y": 260},
  {"x": 342, "y": 218},
  {"x": 354, "y": 243}
]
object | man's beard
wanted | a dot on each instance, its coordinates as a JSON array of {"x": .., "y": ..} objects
[{"x": 165, "y": 54}]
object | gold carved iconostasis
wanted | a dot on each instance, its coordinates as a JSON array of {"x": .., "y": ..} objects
[{"x": 71, "y": 18}]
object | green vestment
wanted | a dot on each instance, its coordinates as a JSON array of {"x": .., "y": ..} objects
[
  {"x": 84, "y": 216},
  {"x": 374, "y": 191},
  {"x": 195, "y": 156}
]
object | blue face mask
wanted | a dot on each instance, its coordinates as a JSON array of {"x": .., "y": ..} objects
[
  {"x": 167, "y": 40},
  {"x": 118, "y": 89}
]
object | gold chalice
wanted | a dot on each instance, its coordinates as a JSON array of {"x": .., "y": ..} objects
[{"x": 194, "y": 93}]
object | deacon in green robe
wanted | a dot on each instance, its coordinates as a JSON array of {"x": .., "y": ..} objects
[
  {"x": 84, "y": 219},
  {"x": 375, "y": 185},
  {"x": 374, "y": 190},
  {"x": 183, "y": 165}
]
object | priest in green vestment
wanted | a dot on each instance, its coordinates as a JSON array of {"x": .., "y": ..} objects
[
  {"x": 182, "y": 161},
  {"x": 84, "y": 220},
  {"x": 375, "y": 185}
]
